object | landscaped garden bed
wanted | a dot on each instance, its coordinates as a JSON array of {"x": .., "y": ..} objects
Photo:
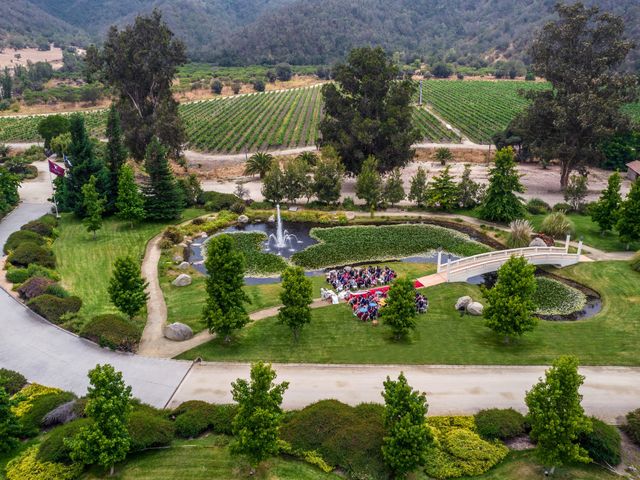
[{"x": 556, "y": 298}]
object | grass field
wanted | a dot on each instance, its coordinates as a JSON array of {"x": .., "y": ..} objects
[{"x": 443, "y": 337}]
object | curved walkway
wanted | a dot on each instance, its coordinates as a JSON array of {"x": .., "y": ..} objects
[{"x": 52, "y": 356}]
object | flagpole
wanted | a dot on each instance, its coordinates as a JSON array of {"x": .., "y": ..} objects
[{"x": 55, "y": 202}]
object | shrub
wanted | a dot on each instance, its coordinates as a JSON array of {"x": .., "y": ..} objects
[
  {"x": 173, "y": 234},
  {"x": 41, "y": 227},
  {"x": 21, "y": 275},
  {"x": 348, "y": 203},
  {"x": 635, "y": 262},
  {"x": 112, "y": 331},
  {"x": 192, "y": 418},
  {"x": 216, "y": 201},
  {"x": 536, "y": 206},
  {"x": 28, "y": 253},
  {"x": 22, "y": 236},
  {"x": 27, "y": 467},
  {"x": 31, "y": 420},
  {"x": 149, "y": 430},
  {"x": 602, "y": 443},
  {"x": 52, "y": 307},
  {"x": 198, "y": 221},
  {"x": 57, "y": 290},
  {"x": 632, "y": 426},
  {"x": 34, "y": 287},
  {"x": 520, "y": 232},
  {"x": 11, "y": 381},
  {"x": 349, "y": 437},
  {"x": 562, "y": 207},
  {"x": 556, "y": 225},
  {"x": 499, "y": 424},
  {"x": 222, "y": 418},
  {"x": 53, "y": 448},
  {"x": 238, "y": 207}
]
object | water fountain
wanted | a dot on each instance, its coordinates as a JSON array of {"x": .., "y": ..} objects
[{"x": 282, "y": 238}]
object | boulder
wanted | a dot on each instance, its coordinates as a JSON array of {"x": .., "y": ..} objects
[
  {"x": 182, "y": 280},
  {"x": 462, "y": 302},
  {"x": 271, "y": 219},
  {"x": 243, "y": 219},
  {"x": 475, "y": 309},
  {"x": 537, "y": 242},
  {"x": 183, "y": 265},
  {"x": 178, "y": 332},
  {"x": 178, "y": 259}
]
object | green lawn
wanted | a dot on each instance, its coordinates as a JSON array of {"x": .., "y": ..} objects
[
  {"x": 207, "y": 458},
  {"x": 590, "y": 233},
  {"x": 184, "y": 304},
  {"x": 443, "y": 337},
  {"x": 85, "y": 264}
]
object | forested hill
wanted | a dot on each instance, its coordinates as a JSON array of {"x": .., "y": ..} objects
[{"x": 315, "y": 31}]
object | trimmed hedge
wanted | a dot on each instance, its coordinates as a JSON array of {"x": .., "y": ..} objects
[
  {"x": 53, "y": 448},
  {"x": 52, "y": 307},
  {"x": 21, "y": 275},
  {"x": 112, "y": 331},
  {"x": 537, "y": 206},
  {"x": 500, "y": 424},
  {"x": 194, "y": 417},
  {"x": 603, "y": 443},
  {"x": 216, "y": 201},
  {"x": 34, "y": 287},
  {"x": 632, "y": 426},
  {"x": 43, "y": 226},
  {"x": 344, "y": 436},
  {"x": 149, "y": 430},
  {"x": 20, "y": 237},
  {"x": 635, "y": 262},
  {"x": 28, "y": 253},
  {"x": 11, "y": 381}
]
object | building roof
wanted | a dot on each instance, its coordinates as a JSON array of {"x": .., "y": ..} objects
[{"x": 635, "y": 166}]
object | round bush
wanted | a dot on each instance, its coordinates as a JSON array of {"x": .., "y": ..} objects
[
  {"x": 556, "y": 225},
  {"x": 34, "y": 287},
  {"x": 500, "y": 424},
  {"x": 40, "y": 226},
  {"x": 57, "y": 290},
  {"x": 221, "y": 418},
  {"x": 602, "y": 443},
  {"x": 11, "y": 381},
  {"x": 537, "y": 206},
  {"x": 238, "y": 207},
  {"x": 216, "y": 201},
  {"x": 112, "y": 331},
  {"x": 632, "y": 426},
  {"x": 149, "y": 430},
  {"x": 21, "y": 275},
  {"x": 635, "y": 262},
  {"x": 22, "y": 236},
  {"x": 192, "y": 418},
  {"x": 52, "y": 307},
  {"x": 28, "y": 253},
  {"x": 173, "y": 235},
  {"x": 562, "y": 207},
  {"x": 53, "y": 448}
]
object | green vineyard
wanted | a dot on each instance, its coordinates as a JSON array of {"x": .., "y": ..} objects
[{"x": 290, "y": 118}]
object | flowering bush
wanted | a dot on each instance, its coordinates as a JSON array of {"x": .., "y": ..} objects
[{"x": 556, "y": 298}]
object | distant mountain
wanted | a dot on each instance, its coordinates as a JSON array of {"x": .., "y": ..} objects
[{"x": 243, "y": 32}]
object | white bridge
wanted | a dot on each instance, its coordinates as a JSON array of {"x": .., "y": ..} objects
[{"x": 464, "y": 268}]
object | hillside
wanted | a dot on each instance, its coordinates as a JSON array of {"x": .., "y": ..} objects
[{"x": 241, "y": 32}]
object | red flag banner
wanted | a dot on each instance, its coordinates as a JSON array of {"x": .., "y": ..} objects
[{"x": 56, "y": 169}]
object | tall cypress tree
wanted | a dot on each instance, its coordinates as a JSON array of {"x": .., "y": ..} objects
[
  {"x": 629, "y": 222},
  {"x": 605, "y": 211},
  {"x": 501, "y": 203},
  {"x": 163, "y": 199},
  {"x": 115, "y": 156}
]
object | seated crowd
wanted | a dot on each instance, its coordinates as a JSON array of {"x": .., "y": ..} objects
[{"x": 354, "y": 278}]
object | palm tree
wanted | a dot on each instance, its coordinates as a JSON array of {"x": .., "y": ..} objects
[
  {"x": 310, "y": 158},
  {"x": 443, "y": 154},
  {"x": 258, "y": 164}
]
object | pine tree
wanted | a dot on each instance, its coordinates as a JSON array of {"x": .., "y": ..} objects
[
  {"x": 130, "y": 203},
  {"x": 501, "y": 203},
  {"x": 93, "y": 205},
  {"x": 605, "y": 211},
  {"x": 394, "y": 188},
  {"x": 127, "y": 288},
  {"x": 400, "y": 312},
  {"x": 629, "y": 223},
  {"x": 407, "y": 439},
  {"x": 10, "y": 429},
  {"x": 556, "y": 417},
  {"x": 443, "y": 192},
  {"x": 418, "y": 190},
  {"x": 115, "y": 156},
  {"x": 369, "y": 183},
  {"x": 510, "y": 305},
  {"x": 256, "y": 424},
  {"x": 163, "y": 199},
  {"x": 470, "y": 193},
  {"x": 296, "y": 296},
  {"x": 106, "y": 441},
  {"x": 224, "y": 310}
]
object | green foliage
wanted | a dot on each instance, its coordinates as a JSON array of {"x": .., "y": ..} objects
[
  {"x": 51, "y": 126},
  {"x": 442, "y": 192},
  {"x": 620, "y": 150},
  {"x": 602, "y": 443},
  {"x": 557, "y": 225},
  {"x": 635, "y": 262},
  {"x": 393, "y": 190},
  {"x": 257, "y": 261},
  {"x": 27, "y": 467},
  {"x": 149, "y": 429},
  {"x": 418, "y": 189},
  {"x": 499, "y": 424},
  {"x": 34, "y": 287},
  {"x": 369, "y": 183},
  {"x": 61, "y": 143},
  {"x": 11, "y": 381},
  {"x": 130, "y": 202},
  {"x": 273, "y": 185},
  {"x": 510, "y": 305},
  {"x": 501, "y": 203},
  {"x": 259, "y": 164},
  {"x": 556, "y": 417},
  {"x": 296, "y": 298},
  {"x": 407, "y": 441},
  {"x": 53, "y": 308},
  {"x": 632, "y": 426},
  {"x": 470, "y": 193},
  {"x": 93, "y": 205},
  {"x": 576, "y": 191},
  {"x": 605, "y": 211},
  {"x": 115, "y": 157},
  {"x": 224, "y": 310},
  {"x": 21, "y": 275},
  {"x": 628, "y": 225},
  {"x": 29, "y": 253},
  {"x": 520, "y": 232},
  {"x": 22, "y": 236},
  {"x": 127, "y": 288},
  {"x": 44, "y": 226},
  {"x": 53, "y": 447},
  {"x": 163, "y": 198},
  {"x": 191, "y": 189},
  {"x": 557, "y": 298},
  {"x": 9, "y": 183},
  {"x": 216, "y": 201},
  {"x": 112, "y": 331},
  {"x": 536, "y": 206},
  {"x": 257, "y": 421},
  {"x": 10, "y": 428},
  {"x": 327, "y": 180},
  {"x": 367, "y": 112},
  {"x": 400, "y": 311},
  {"x": 296, "y": 180},
  {"x": 195, "y": 417},
  {"x": 358, "y": 244},
  {"x": 344, "y": 436},
  {"x": 107, "y": 440},
  {"x": 32, "y": 416},
  {"x": 443, "y": 155}
]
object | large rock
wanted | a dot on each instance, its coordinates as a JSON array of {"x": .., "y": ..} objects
[
  {"x": 537, "y": 242},
  {"x": 178, "y": 259},
  {"x": 271, "y": 219},
  {"x": 475, "y": 309},
  {"x": 462, "y": 302},
  {"x": 182, "y": 280},
  {"x": 178, "y": 332},
  {"x": 243, "y": 219},
  {"x": 183, "y": 265}
]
